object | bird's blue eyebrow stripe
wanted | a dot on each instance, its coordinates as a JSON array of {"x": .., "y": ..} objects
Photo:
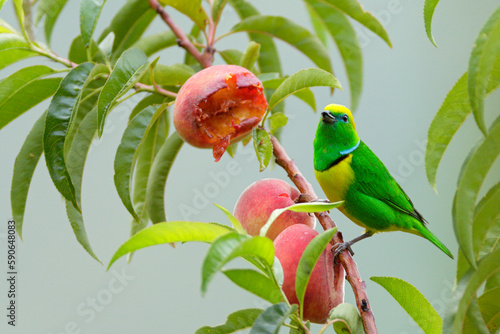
[{"x": 350, "y": 150}]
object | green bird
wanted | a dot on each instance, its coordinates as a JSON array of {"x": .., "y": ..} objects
[{"x": 349, "y": 171}]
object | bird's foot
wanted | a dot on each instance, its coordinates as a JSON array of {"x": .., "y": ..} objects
[{"x": 339, "y": 248}]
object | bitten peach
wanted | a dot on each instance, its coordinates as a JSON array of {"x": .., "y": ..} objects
[
  {"x": 260, "y": 199},
  {"x": 217, "y": 106},
  {"x": 320, "y": 292}
]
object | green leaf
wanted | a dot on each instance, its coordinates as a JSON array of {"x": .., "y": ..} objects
[
  {"x": 126, "y": 155},
  {"x": 76, "y": 219},
  {"x": 236, "y": 224},
  {"x": 191, "y": 9},
  {"x": 57, "y": 122},
  {"x": 429, "y": 7},
  {"x": 24, "y": 167},
  {"x": 1, "y": 3},
  {"x": 474, "y": 171},
  {"x": 165, "y": 233},
  {"x": 149, "y": 100},
  {"x": 50, "y": 9},
  {"x": 309, "y": 77},
  {"x": 90, "y": 10},
  {"x": 271, "y": 320},
  {"x": 301, "y": 207},
  {"x": 490, "y": 308},
  {"x": 23, "y": 90},
  {"x": 156, "y": 42},
  {"x": 18, "y": 6},
  {"x": 256, "y": 283},
  {"x": 349, "y": 319},
  {"x": 263, "y": 147},
  {"x": 291, "y": 33},
  {"x": 413, "y": 302},
  {"x": 308, "y": 260},
  {"x": 13, "y": 48},
  {"x": 168, "y": 75},
  {"x": 319, "y": 27},
  {"x": 276, "y": 121},
  {"x": 128, "y": 25},
  {"x": 453, "y": 112},
  {"x": 486, "y": 223},
  {"x": 347, "y": 42},
  {"x": 231, "y": 56},
  {"x": 127, "y": 71},
  {"x": 78, "y": 53},
  {"x": 233, "y": 245},
  {"x": 217, "y": 9},
  {"x": 250, "y": 55},
  {"x": 466, "y": 292},
  {"x": 482, "y": 61},
  {"x": 235, "y": 322},
  {"x": 155, "y": 193},
  {"x": 304, "y": 94},
  {"x": 354, "y": 9}
]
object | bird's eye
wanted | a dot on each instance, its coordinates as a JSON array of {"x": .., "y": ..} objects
[{"x": 345, "y": 118}]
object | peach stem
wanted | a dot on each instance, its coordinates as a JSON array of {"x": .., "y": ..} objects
[{"x": 353, "y": 277}]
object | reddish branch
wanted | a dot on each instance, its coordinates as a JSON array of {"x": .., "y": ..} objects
[
  {"x": 353, "y": 277},
  {"x": 205, "y": 59}
]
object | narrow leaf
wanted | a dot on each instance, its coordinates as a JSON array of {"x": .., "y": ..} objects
[
  {"x": 308, "y": 260},
  {"x": 490, "y": 308},
  {"x": 24, "y": 167},
  {"x": 482, "y": 60},
  {"x": 168, "y": 75},
  {"x": 192, "y": 9},
  {"x": 24, "y": 89},
  {"x": 217, "y": 9},
  {"x": 156, "y": 42},
  {"x": 236, "y": 224},
  {"x": 50, "y": 9},
  {"x": 473, "y": 174},
  {"x": 235, "y": 322},
  {"x": 310, "y": 77},
  {"x": 64, "y": 103},
  {"x": 486, "y": 223},
  {"x": 155, "y": 193},
  {"x": 18, "y": 6},
  {"x": 256, "y": 283},
  {"x": 319, "y": 27},
  {"x": 165, "y": 233},
  {"x": 429, "y": 7},
  {"x": 127, "y": 71},
  {"x": 231, "y": 246},
  {"x": 78, "y": 52},
  {"x": 271, "y": 320},
  {"x": 413, "y": 302},
  {"x": 13, "y": 48},
  {"x": 263, "y": 147},
  {"x": 90, "y": 10},
  {"x": 350, "y": 319},
  {"x": 76, "y": 219},
  {"x": 291, "y": 33},
  {"x": 304, "y": 94},
  {"x": 250, "y": 55}
]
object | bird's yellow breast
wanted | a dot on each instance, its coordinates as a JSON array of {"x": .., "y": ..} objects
[{"x": 336, "y": 180}]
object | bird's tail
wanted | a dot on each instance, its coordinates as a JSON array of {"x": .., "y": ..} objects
[{"x": 426, "y": 233}]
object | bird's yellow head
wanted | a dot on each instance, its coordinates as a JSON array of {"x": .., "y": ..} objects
[{"x": 340, "y": 113}]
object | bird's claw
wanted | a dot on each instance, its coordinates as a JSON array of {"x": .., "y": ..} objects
[{"x": 339, "y": 248}]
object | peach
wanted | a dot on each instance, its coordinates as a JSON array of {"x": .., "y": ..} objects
[
  {"x": 218, "y": 106},
  {"x": 320, "y": 295},
  {"x": 260, "y": 199}
]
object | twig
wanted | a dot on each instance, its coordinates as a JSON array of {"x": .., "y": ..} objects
[
  {"x": 204, "y": 59},
  {"x": 353, "y": 277}
]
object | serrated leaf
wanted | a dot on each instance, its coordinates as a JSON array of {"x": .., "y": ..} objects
[
  {"x": 290, "y": 32},
  {"x": 250, "y": 55},
  {"x": 13, "y": 48},
  {"x": 307, "y": 261},
  {"x": 191, "y": 9},
  {"x": 474, "y": 171},
  {"x": 235, "y": 322},
  {"x": 429, "y": 7},
  {"x": 490, "y": 308},
  {"x": 413, "y": 302},
  {"x": 309, "y": 77},
  {"x": 354, "y": 9},
  {"x": 263, "y": 147},
  {"x": 50, "y": 9},
  {"x": 24, "y": 167},
  {"x": 90, "y": 10},
  {"x": 217, "y": 9},
  {"x": 127, "y": 71},
  {"x": 304, "y": 94},
  {"x": 466, "y": 292},
  {"x": 156, "y": 42},
  {"x": 126, "y": 155},
  {"x": 128, "y": 25},
  {"x": 256, "y": 283},
  {"x": 23, "y": 90},
  {"x": 345, "y": 38},
  {"x": 155, "y": 193},
  {"x": 276, "y": 121},
  {"x": 231, "y": 246},
  {"x": 165, "y": 233},
  {"x": 57, "y": 122},
  {"x": 482, "y": 60},
  {"x": 309, "y": 207},
  {"x": 271, "y": 320},
  {"x": 236, "y": 224},
  {"x": 350, "y": 320}
]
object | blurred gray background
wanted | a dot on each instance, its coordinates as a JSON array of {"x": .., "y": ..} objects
[{"x": 61, "y": 289}]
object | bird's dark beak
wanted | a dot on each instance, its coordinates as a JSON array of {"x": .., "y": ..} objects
[{"x": 328, "y": 118}]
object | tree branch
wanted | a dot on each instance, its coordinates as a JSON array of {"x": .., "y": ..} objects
[
  {"x": 353, "y": 277},
  {"x": 204, "y": 59}
]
